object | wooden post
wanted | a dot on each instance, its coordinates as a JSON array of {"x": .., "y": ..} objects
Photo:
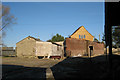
[{"x": 108, "y": 33}]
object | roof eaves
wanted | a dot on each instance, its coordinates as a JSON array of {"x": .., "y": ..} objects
[
  {"x": 29, "y": 37},
  {"x": 76, "y": 30}
]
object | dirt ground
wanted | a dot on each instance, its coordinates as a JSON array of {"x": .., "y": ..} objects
[
  {"x": 14, "y": 67},
  {"x": 96, "y": 68},
  {"x": 29, "y": 62}
]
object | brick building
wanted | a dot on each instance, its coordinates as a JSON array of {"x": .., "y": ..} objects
[
  {"x": 79, "y": 47},
  {"x": 81, "y": 43},
  {"x": 82, "y": 33}
]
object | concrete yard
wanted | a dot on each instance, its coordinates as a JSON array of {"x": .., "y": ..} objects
[{"x": 96, "y": 68}]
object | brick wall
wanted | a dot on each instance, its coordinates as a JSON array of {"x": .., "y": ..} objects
[{"x": 80, "y": 47}]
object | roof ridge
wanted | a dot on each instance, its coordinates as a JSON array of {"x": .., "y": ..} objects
[
  {"x": 36, "y": 39},
  {"x": 76, "y": 30}
]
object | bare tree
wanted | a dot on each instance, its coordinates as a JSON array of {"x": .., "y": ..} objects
[{"x": 6, "y": 19}]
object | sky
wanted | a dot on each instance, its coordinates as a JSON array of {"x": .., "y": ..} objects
[{"x": 45, "y": 19}]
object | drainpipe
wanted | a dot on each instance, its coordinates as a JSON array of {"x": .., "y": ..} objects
[{"x": 87, "y": 48}]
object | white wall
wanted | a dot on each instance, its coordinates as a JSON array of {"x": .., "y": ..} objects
[{"x": 48, "y": 49}]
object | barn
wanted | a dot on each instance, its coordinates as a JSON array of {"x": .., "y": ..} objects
[
  {"x": 81, "y": 43},
  {"x": 33, "y": 47},
  {"x": 79, "y": 47}
]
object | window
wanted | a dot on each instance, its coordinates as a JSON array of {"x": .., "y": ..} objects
[
  {"x": 79, "y": 36},
  {"x": 84, "y": 36}
]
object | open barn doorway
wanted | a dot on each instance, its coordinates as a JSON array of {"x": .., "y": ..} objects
[{"x": 91, "y": 51}]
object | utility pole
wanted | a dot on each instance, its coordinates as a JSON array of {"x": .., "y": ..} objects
[
  {"x": 38, "y": 37},
  {"x": 99, "y": 37}
]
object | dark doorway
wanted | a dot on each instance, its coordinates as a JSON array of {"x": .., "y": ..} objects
[{"x": 91, "y": 50}]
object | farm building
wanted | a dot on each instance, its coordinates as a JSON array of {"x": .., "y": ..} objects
[
  {"x": 26, "y": 47},
  {"x": 60, "y": 43},
  {"x": 49, "y": 50},
  {"x": 32, "y": 47},
  {"x": 81, "y": 43},
  {"x": 8, "y": 51},
  {"x": 78, "y": 47},
  {"x": 82, "y": 33}
]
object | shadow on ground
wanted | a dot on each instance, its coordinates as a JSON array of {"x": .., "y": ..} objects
[
  {"x": 96, "y": 68},
  {"x": 20, "y": 72},
  {"x": 79, "y": 68}
]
